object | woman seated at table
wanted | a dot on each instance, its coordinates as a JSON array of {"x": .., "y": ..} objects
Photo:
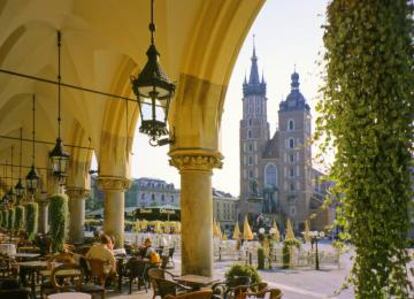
[
  {"x": 103, "y": 252},
  {"x": 149, "y": 253}
]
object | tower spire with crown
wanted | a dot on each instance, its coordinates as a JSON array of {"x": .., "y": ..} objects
[{"x": 254, "y": 71}]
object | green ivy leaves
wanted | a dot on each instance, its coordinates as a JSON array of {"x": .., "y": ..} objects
[{"x": 367, "y": 117}]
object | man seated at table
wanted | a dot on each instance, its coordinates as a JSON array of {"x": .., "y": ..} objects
[
  {"x": 104, "y": 252},
  {"x": 146, "y": 250}
]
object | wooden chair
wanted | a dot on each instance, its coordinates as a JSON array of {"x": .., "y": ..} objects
[
  {"x": 97, "y": 275},
  {"x": 163, "y": 286},
  {"x": 135, "y": 268},
  {"x": 66, "y": 277},
  {"x": 273, "y": 294},
  {"x": 208, "y": 294}
]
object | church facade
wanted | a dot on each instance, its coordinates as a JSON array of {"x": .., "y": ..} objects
[{"x": 277, "y": 179}]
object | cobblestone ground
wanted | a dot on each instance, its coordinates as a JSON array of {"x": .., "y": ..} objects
[{"x": 295, "y": 284}]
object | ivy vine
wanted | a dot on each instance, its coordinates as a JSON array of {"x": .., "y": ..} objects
[
  {"x": 58, "y": 211},
  {"x": 31, "y": 215},
  {"x": 366, "y": 117},
  {"x": 19, "y": 218},
  {"x": 10, "y": 222},
  {"x": 5, "y": 217}
]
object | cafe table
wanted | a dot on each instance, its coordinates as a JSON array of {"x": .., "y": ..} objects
[
  {"x": 195, "y": 281},
  {"x": 70, "y": 295},
  {"x": 32, "y": 267},
  {"x": 25, "y": 256}
]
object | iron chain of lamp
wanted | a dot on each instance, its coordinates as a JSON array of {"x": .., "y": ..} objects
[
  {"x": 32, "y": 178},
  {"x": 11, "y": 193},
  {"x": 154, "y": 87},
  {"x": 58, "y": 156},
  {"x": 19, "y": 186}
]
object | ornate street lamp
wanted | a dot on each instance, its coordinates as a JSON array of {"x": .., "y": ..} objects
[
  {"x": 153, "y": 87},
  {"x": 19, "y": 186},
  {"x": 32, "y": 178},
  {"x": 315, "y": 237},
  {"x": 58, "y": 156}
]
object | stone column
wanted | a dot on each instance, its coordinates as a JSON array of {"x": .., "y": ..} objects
[
  {"x": 114, "y": 206},
  {"x": 77, "y": 198},
  {"x": 196, "y": 209}
]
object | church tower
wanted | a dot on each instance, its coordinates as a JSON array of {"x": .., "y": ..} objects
[
  {"x": 254, "y": 134},
  {"x": 295, "y": 155}
]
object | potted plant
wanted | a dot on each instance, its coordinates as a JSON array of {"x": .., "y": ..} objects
[
  {"x": 237, "y": 271},
  {"x": 58, "y": 211}
]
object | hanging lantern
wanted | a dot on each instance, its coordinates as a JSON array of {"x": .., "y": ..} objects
[
  {"x": 154, "y": 91},
  {"x": 19, "y": 189},
  {"x": 59, "y": 159},
  {"x": 32, "y": 180},
  {"x": 58, "y": 156}
]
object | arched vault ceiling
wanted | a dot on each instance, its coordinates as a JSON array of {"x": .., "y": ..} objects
[{"x": 102, "y": 40}]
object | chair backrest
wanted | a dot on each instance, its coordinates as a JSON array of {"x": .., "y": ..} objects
[
  {"x": 155, "y": 273},
  {"x": 207, "y": 294},
  {"x": 135, "y": 267},
  {"x": 98, "y": 269},
  {"x": 63, "y": 257},
  {"x": 66, "y": 277}
]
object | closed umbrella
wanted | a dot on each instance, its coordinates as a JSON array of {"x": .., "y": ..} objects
[
  {"x": 247, "y": 231},
  {"x": 236, "y": 232},
  {"x": 275, "y": 231},
  {"x": 289, "y": 235},
  {"x": 306, "y": 234}
]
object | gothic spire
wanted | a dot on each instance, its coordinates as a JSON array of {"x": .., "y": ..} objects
[{"x": 254, "y": 71}]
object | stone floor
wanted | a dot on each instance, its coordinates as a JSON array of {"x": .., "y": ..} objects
[{"x": 295, "y": 284}]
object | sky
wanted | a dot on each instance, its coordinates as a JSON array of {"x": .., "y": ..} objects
[{"x": 287, "y": 33}]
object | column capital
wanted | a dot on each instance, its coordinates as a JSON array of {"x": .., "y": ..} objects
[
  {"x": 195, "y": 159},
  {"x": 77, "y": 192},
  {"x": 111, "y": 183}
]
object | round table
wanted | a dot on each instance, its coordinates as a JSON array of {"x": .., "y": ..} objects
[
  {"x": 70, "y": 295},
  {"x": 9, "y": 249}
]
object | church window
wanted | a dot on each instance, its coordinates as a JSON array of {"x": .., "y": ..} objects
[
  {"x": 291, "y": 125},
  {"x": 291, "y": 143},
  {"x": 250, "y": 173},
  {"x": 172, "y": 198},
  {"x": 292, "y": 173},
  {"x": 250, "y": 160},
  {"x": 143, "y": 196},
  {"x": 250, "y": 121},
  {"x": 291, "y": 158},
  {"x": 292, "y": 187},
  {"x": 249, "y": 134},
  {"x": 292, "y": 211},
  {"x": 250, "y": 147},
  {"x": 153, "y": 196},
  {"x": 271, "y": 175},
  {"x": 162, "y": 197}
]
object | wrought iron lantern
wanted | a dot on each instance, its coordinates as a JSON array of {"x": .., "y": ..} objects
[
  {"x": 58, "y": 157},
  {"x": 32, "y": 178},
  {"x": 153, "y": 89},
  {"x": 19, "y": 188}
]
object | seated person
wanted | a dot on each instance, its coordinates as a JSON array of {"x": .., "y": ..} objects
[
  {"x": 103, "y": 252},
  {"x": 146, "y": 250}
]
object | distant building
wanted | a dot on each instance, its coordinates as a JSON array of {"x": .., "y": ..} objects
[
  {"x": 155, "y": 192},
  {"x": 276, "y": 174},
  {"x": 225, "y": 209},
  {"x": 144, "y": 192}
]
